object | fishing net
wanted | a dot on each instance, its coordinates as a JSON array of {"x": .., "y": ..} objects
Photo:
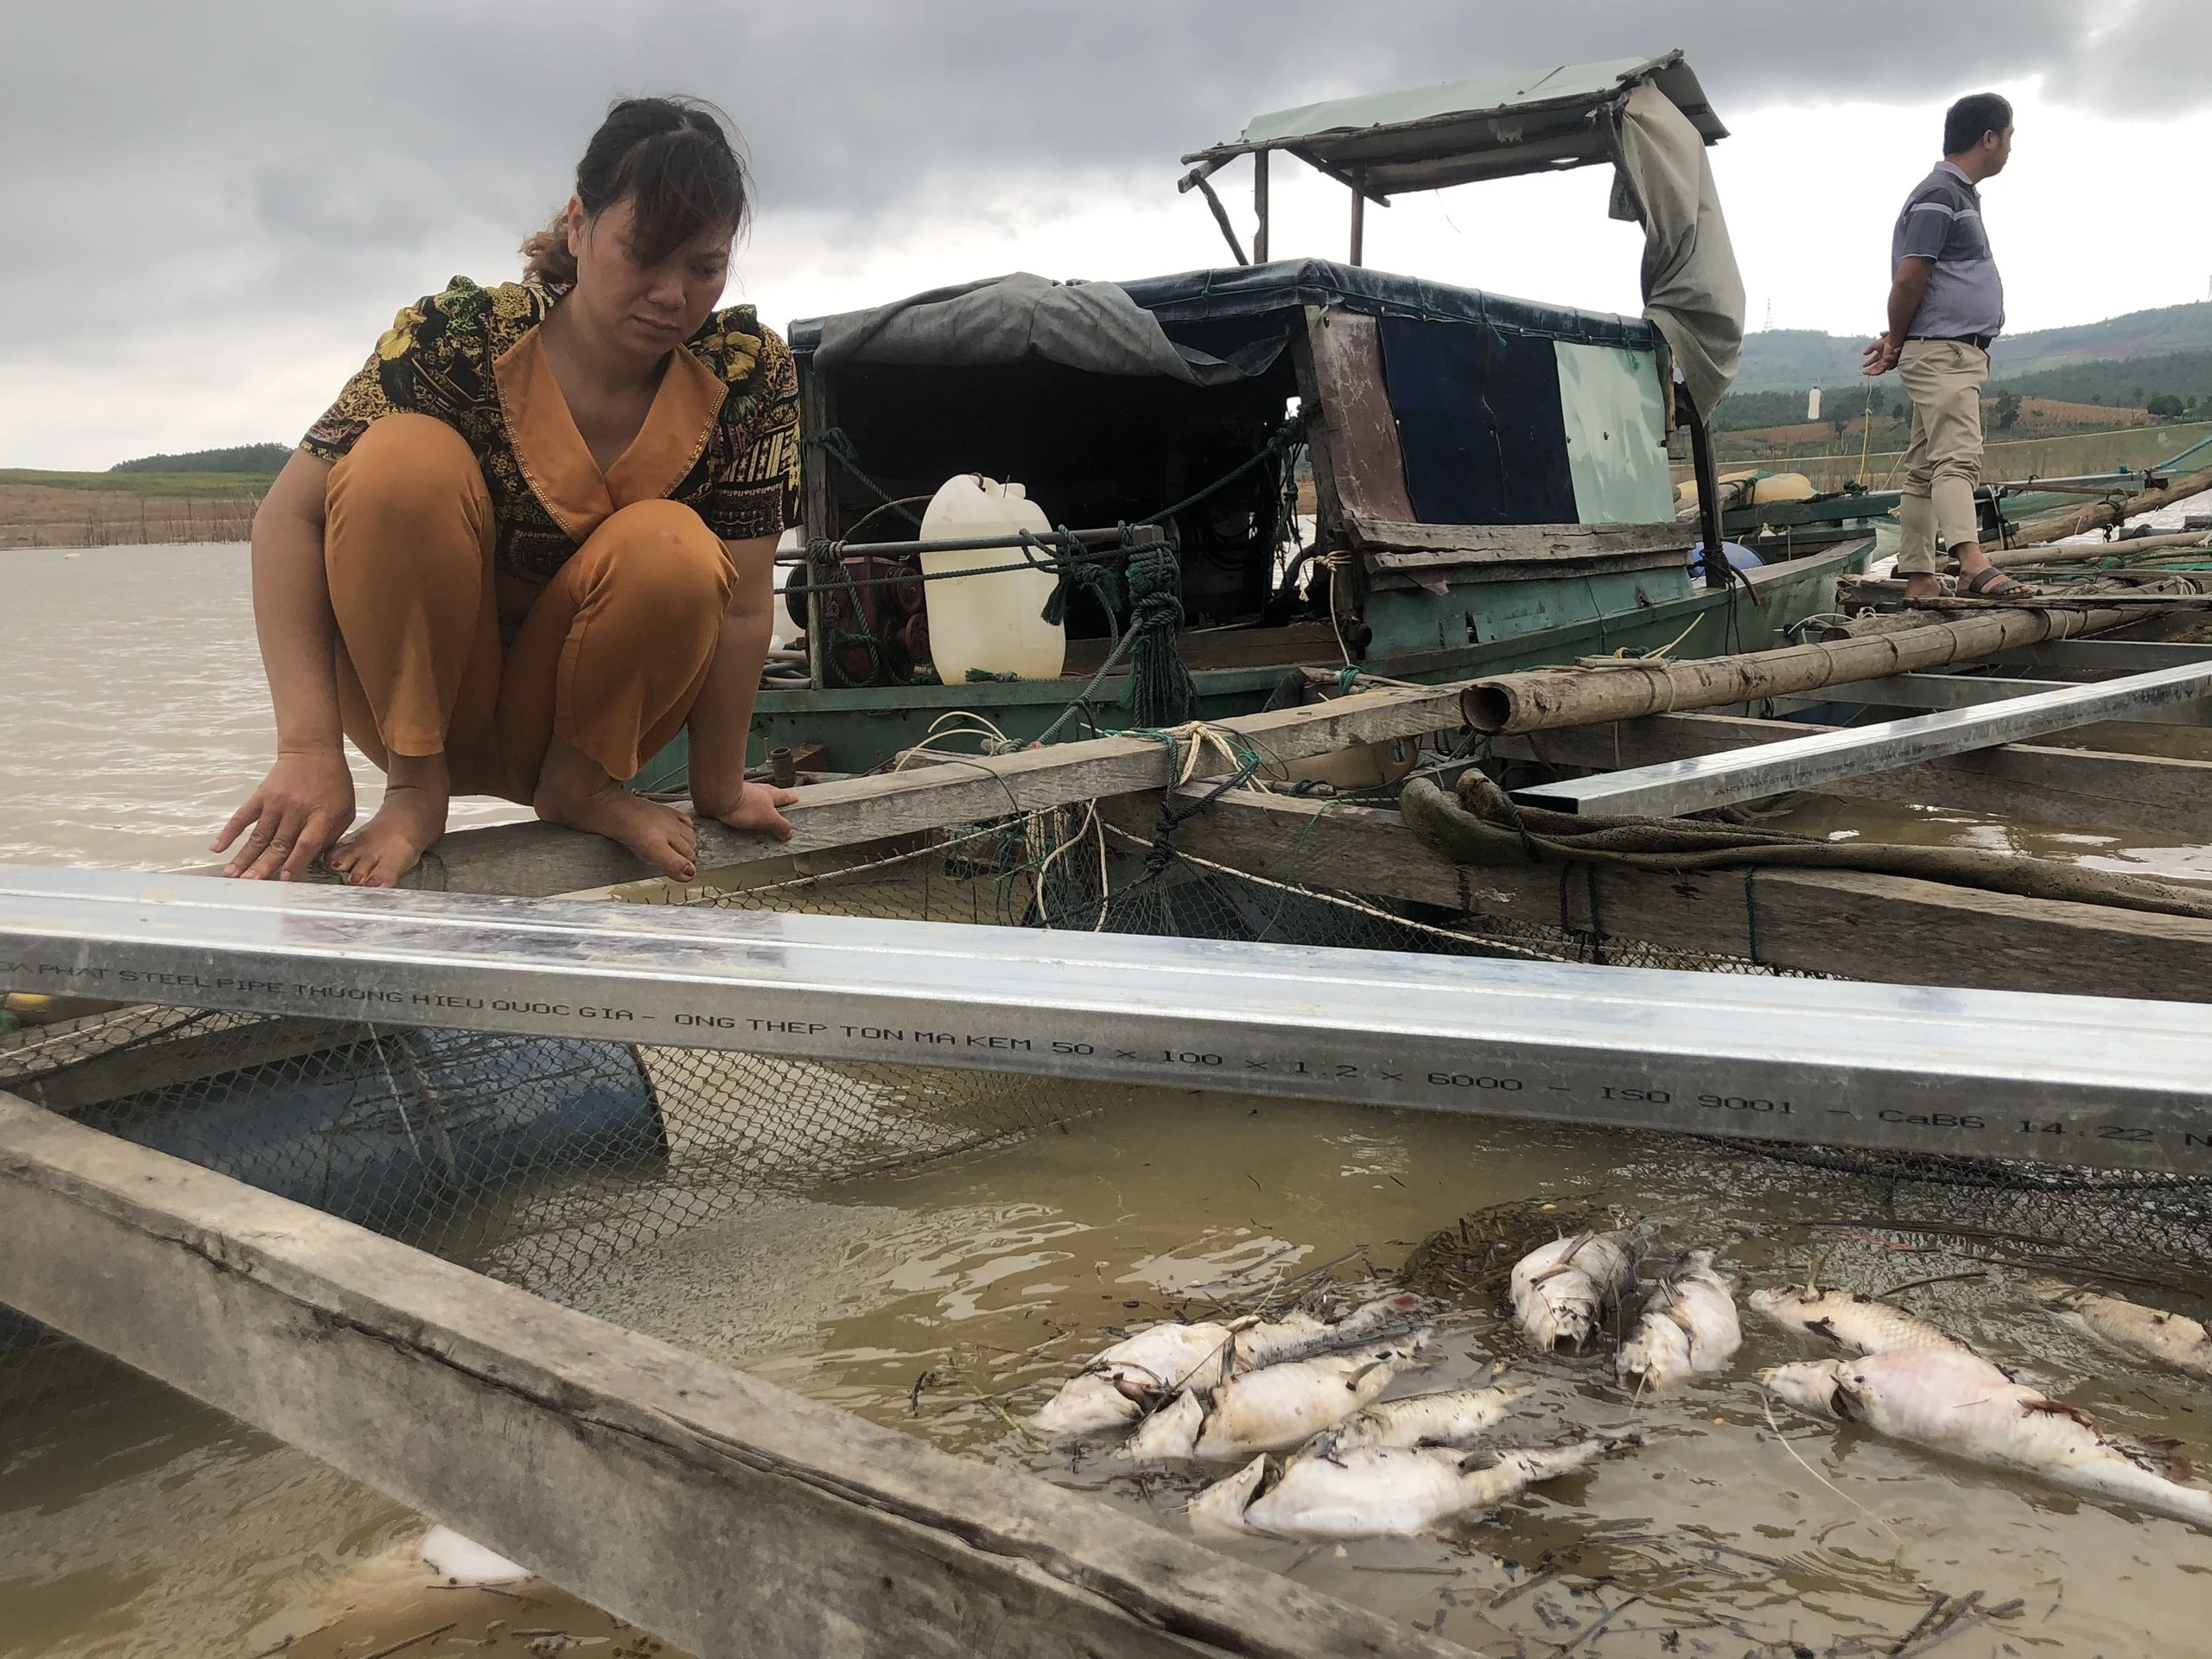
[{"x": 543, "y": 1161}]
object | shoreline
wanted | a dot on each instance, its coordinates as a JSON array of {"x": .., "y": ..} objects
[{"x": 38, "y": 515}]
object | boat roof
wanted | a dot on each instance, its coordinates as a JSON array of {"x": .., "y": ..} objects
[
  {"x": 1493, "y": 127},
  {"x": 1236, "y": 291}
]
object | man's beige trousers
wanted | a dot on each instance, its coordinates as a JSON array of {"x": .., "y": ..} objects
[{"x": 1942, "y": 464}]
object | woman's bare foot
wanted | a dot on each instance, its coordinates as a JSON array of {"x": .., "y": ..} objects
[
  {"x": 417, "y": 791},
  {"x": 574, "y": 790}
]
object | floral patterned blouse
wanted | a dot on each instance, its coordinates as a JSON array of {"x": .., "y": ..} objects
[{"x": 453, "y": 356}]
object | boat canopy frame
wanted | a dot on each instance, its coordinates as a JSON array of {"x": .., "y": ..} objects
[{"x": 1379, "y": 145}]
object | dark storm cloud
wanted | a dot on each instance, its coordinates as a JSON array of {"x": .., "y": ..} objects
[
  {"x": 168, "y": 168},
  {"x": 370, "y": 124}
]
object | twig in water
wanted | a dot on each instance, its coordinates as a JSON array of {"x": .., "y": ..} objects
[
  {"x": 1592, "y": 1630},
  {"x": 1534, "y": 1581},
  {"x": 422, "y": 1636},
  {"x": 1940, "y": 1278},
  {"x": 927, "y": 1379},
  {"x": 1823, "y": 1480},
  {"x": 1956, "y": 1618}
]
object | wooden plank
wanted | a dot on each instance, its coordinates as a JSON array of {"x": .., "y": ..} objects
[
  {"x": 171, "y": 1060},
  {"x": 724, "y": 1513},
  {"x": 1362, "y": 451},
  {"x": 1402, "y": 545},
  {"x": 817, "y": 499},
  {"x": 1886, "y": 929},
  {"x": 2078, "y": 788},
  {"x": 539, "y": 859}
]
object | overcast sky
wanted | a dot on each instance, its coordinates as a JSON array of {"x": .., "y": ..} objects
[{"x": 210, "y": 211}]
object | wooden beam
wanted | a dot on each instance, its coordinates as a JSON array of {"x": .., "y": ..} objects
[
  {"x": 718, "y": 1511},
  {"x": 1886, "y": 929},
  {"x": 539, "y": 860},
  {"x": 1260, "y": 207},
  {"x": 1362, "y": 449},
  {"x": 135, "y": 1068},
  {"x": 1396, "y": 544},
  {"x": 2078, "y": 788}
]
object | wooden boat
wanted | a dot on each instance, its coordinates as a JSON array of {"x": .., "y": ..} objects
[
  {"x": 1488, "y": 480},
  {"x": 1430, "y": 571}
]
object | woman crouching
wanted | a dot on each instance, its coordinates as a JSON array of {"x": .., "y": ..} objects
[{"x": 534, "y": 537}]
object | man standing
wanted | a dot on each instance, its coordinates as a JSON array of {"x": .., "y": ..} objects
[{"x": 1947, "y": 304}]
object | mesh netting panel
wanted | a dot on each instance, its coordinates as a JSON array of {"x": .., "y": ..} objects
[{"x": 541, "y": 1161}]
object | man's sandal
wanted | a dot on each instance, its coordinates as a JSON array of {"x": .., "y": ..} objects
[{"x": 1993, "y": 583}]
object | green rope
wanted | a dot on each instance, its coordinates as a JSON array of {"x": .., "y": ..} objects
[{"x": 1161, "y": 690}]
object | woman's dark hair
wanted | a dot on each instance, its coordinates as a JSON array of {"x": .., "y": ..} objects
[
  {"x": 1976, "y": 113},
  {"x": 674, "y": 158}
]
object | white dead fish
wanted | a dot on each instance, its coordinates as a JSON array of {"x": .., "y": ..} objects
[
  {"x": 1377, "y": 1491},
  {"x": 1170, "y": 1433},
  {"x": 1285, "y": 1405},
  {"x": 1561, "y": 1291},
  {"x": 2171, "y": 1338},
  {"x": 1218, "y": 1511},
  {"x": 1947, "y": 1401},
  {"x": 1086, "y": 1403},
  {"x": 1113, "y": 1390},
  {"x": 1852, "y": 1320},
  {"x": 1269, "y": 1342},
  {"x": 463, "y": 1561},
  {"x": 1300, "y": 1336},
  {"x": 1447, "y": 1417},
  {"x": 1690, "y": 1327}
]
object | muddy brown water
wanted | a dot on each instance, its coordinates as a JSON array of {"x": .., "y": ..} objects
[{"x": 949, "y": 1299}]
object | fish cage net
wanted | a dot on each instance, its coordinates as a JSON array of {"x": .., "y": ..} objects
[{"x": 543, "y": 1161}]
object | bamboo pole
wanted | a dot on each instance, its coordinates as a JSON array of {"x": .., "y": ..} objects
[
  {"x": 2077, "y": 521},
  {"x": 2090, "y": 552},
  {"x": 1547, "y": 699}
]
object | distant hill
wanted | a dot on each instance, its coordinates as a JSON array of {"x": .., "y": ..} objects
[
  {"x": 1780, "y": 359},
  {"x": 2115, "y": 382},
  {"x": 2122, "y": 382},
  {"x": 263, "y": 458}
]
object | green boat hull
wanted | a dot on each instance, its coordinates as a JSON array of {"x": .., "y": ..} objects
[{"x": 863, "y": 727}]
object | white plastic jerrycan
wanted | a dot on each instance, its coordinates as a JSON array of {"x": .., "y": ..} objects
[{"x": 992, "y": 622}]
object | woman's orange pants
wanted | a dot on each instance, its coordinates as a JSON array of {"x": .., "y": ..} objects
[{"x": 438, "y": 652}]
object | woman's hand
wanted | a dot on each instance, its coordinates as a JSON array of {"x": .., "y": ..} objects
[
  {"x": 297, "y": 814},
  {"x": 756, "y": 807}
]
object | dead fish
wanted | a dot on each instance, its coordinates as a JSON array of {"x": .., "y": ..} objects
[
  {"x": 1852, "y": 1320},
  {"x": 1218, "y": 1511},
  {"x": 1170, "y": 1433},
  {"x": 1300, "y": 1336},
  {"x": 1113, "y": 1390},
  {"x": 2171, "y": 1338},
  {"x": 1377, "y": 1492},
  {"x": 1690, "y": 1327},
  {"x": 1283, "y": 1406},
  {"x": 1561, "y": 1291},
  {"x": 1948, "y": 1401},
  {"x": 1270, "y": 1342},
  {"x": 1447, "y": 1417}
]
